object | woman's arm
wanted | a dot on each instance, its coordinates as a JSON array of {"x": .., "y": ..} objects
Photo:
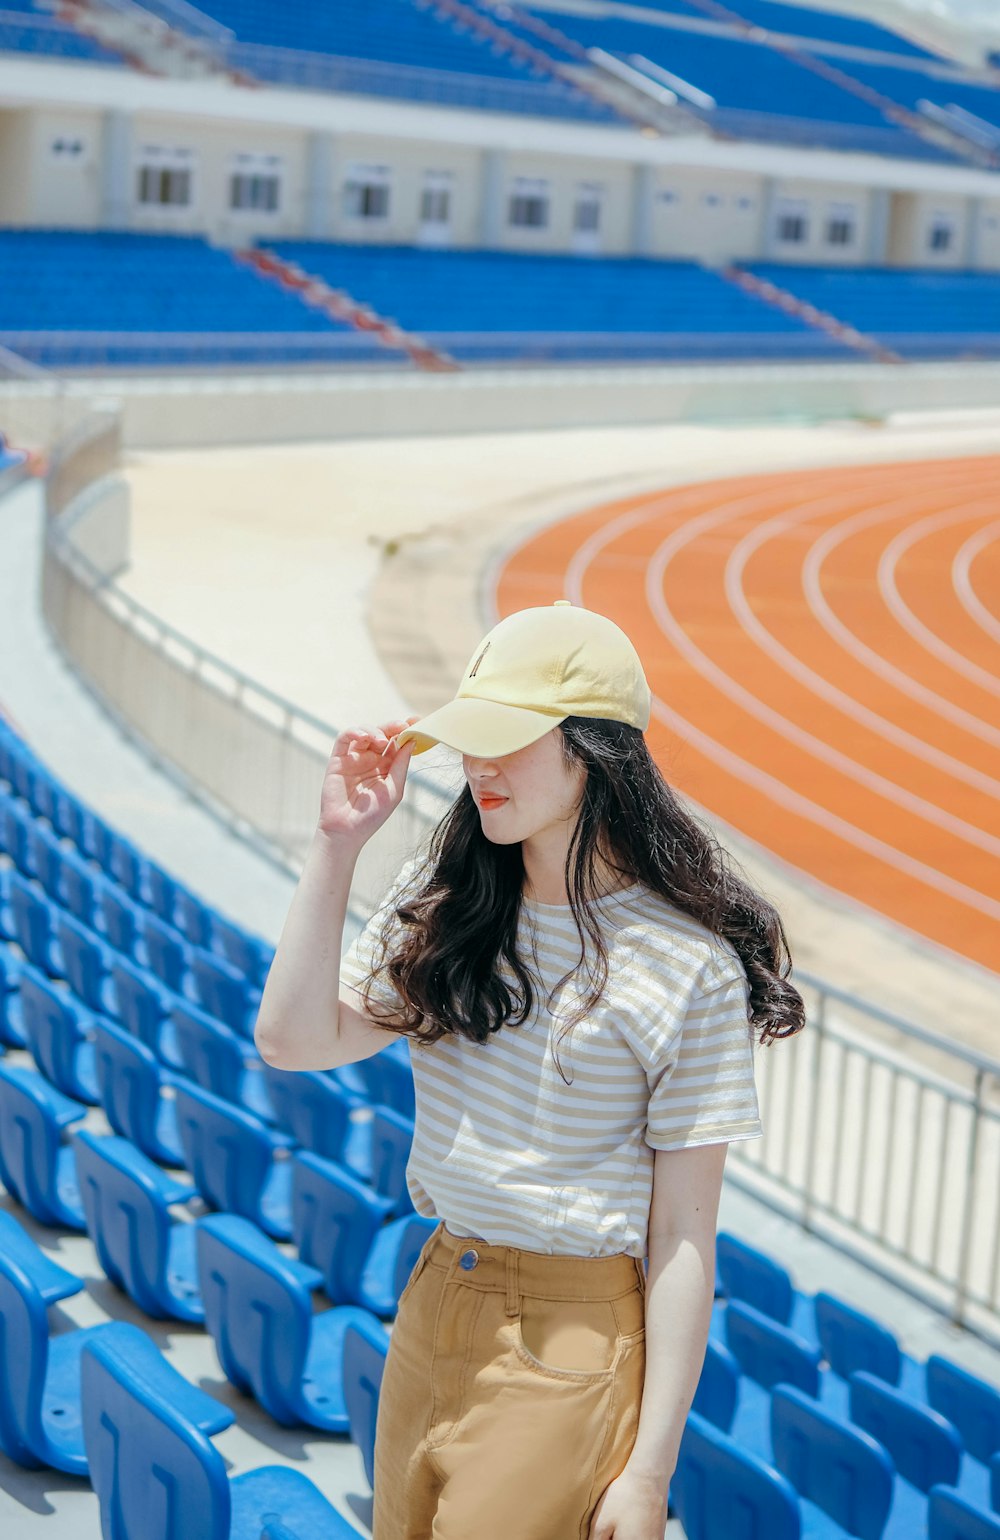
[
  {"x": 680, "y": 1288},
  {"x": 298, "y": 1022}
]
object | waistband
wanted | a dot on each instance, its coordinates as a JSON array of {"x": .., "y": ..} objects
[{"x": 510, "y": 1269}]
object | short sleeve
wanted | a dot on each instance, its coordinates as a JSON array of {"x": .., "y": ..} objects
[
  {"x": 703, "y": 1090},
  {"x": 357, "y": 962}
]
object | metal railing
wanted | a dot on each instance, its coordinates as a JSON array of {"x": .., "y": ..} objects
[
  {"x": 878, "y": 1135},
  {"x": 117, "y": 350}
]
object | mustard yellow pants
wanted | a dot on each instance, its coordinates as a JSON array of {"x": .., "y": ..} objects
[{"x": 511, "y": 1392}]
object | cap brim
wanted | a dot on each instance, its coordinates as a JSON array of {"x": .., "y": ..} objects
[{"x": 483, "y": 728}]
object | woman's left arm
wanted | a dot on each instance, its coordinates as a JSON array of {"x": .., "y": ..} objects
[{"x": 680, "y": 1287}]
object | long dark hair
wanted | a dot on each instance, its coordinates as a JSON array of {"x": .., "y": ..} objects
[{"x": 443, "y": 945}]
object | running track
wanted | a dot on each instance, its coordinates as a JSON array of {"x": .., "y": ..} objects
[{"x": 823, "y": 649}]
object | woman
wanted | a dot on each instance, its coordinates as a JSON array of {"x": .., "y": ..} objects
[{"x": 569, "y": 909}]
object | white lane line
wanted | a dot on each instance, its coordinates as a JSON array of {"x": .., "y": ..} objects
[
  {"x": 889, "y": 589},
  {"x": 768, "y": 642},
  {"x": 961, "y": 577},
  {"x": 775, "y": 790},
  {"x": 812, "y": 584}
]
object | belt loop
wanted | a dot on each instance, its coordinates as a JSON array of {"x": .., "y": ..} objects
[{"x": 513, "y": 1304}]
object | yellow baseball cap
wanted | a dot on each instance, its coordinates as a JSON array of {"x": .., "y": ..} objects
[{"x": 533, "y": 670}]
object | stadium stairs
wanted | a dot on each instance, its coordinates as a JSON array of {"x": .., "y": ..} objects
[
  {"x": 805, "y": 1405},
  {"x": 341, "y": 306}
]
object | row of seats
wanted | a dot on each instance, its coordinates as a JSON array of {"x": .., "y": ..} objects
[
  {"x": 814, "y": 1375},
  {"x": 801, "y": 21}
]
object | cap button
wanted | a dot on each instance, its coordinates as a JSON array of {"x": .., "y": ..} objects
[{"x": 561, "y": 601}]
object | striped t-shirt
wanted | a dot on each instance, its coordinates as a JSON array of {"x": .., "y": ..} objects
[{"x": 506, "y": 1152}]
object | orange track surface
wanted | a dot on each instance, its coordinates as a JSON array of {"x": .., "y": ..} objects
[{"x": 823, "y": 649}]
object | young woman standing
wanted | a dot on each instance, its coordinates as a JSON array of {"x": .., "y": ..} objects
[{"x": 569, "y": 910}]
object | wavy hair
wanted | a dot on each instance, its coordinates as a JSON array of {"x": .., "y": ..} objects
[{"x": 448, "y": 945}]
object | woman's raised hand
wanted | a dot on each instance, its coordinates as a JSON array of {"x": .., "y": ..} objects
[{"x": 364, "y": 781}]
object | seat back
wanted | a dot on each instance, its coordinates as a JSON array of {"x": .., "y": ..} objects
[
  {"x": 366, "y": 1343},
  {"x": 851, "y": 1340},
  {"x": 970, "y": 1404},
  {"x": 24, "y": 1353},
  {"x": 248, "y": 955},
  {"x": 15, "y": 834},
  {"x": 768, "y": 1352},
  {"x": 923, "y": 1445},
  {"x": 717, "y": 1391},
  {"x": 127, "y": 1218},
  {"x": 168, "y": 954},
  {"x": 84, "y": 960},
  {"x": 122, "y": 919},
  {"x": 211, "y": 1053},
  {"x": 313, "y": 1109},
  {"x": 163, "y": 893},
  {"x": 191, "y": 918},
  {"x": 46, "y": 861},
  {"x": 950, "y": 1517},
  {"x": 128, "y": 1079},
  {"x": 34, "y": 920},
  {"x": 754, "y": 1277},
  {"x": 54, "y": 1027},
  {"x": 840, "y": 1468},
  {"x": 82, "y": 886},
  {"x": 125, "y": 865},
  {"x": 221, "y": 990},
  {"x": 721, "y": 1492},
  {"x": 258, "y": 1312},
  {"x": 140, "y": 1005},
  {"x": 335, "y": 1221},
  {"x": 227, "y": 1151},
  {"x": 155, "y": 1473},
  {"x": 32, "y": 1113}
]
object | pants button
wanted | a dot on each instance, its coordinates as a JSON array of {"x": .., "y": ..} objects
[{"x": 468, "y": 1259}]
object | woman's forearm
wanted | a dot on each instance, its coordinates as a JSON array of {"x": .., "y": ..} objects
[
  {"x": 680, "y": 1288},
  {"x": 297, "y": 1020}
]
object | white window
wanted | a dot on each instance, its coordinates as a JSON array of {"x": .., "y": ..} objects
[
  {"x": 367, "y": 191},
  {"x": 435, "y": 197},
  {"x": 791, "y": 221},
  {"x": 941, "y": 231},
  {"x": 587, "y": 206},
  {"x": 255, "y": 183},
  {"x": 165, "y": 176},
  {"x": 841, "y": 224},
  {"x": 528, "y": 205},
  {"x": 69, "y": 149}
]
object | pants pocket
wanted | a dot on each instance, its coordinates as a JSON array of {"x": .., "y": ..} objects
[
  {"x": 418, "y": 1268},
  {"x": 568, "y": 1336}
]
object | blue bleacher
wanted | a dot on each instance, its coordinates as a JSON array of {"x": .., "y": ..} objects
[
  {"x": 759, "y": 92},
  {"x": 59, "y": 288},
  {"x": 918, "y": 314},
  {"x": 803, "y": 21},
  {"x": 909, "y": 87},
  {"x": 27, "y": 26},
  {"x": 517, "y": 305}
]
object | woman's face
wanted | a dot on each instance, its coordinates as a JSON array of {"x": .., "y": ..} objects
[{"x": 527, "y": 793}]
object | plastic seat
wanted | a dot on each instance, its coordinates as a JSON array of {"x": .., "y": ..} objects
[
  {"x": 952, "y": 1517},
  {"x": 720, "y": 1491},
  {"x": 7, "y": 931},
  {"x": 36, "y": 1167},
  {"x": 314, "y": 1109},
  {"x": 15, "y": 835},
  {"x": 142, "y": 1005},
  {"x": 923, "y": 1446},
  {"x": 46, "y": 861},
  {"x": 250, "y": 956},
  {"x": 388, "y": 1079},
  {"x": 147, "y": 1431},
  {"x": 40, "y": 1420},
  {"x": 60, "y": 1037},
  {"x": 163, "y": 892},
  {"x": 83, "y": 886},
  {"x": 87, "y": 964},
  {"x": 169, "y": 956},
  {"x": 35, "y": 918},
  {"x": 718, "y": 1389},
  {"x": 749, "y": 1274},
  {"x": 11, "y": 1023},
  {"x": 216, "y": 1058},
  {"x": 223, "y": 992},
  {"x": 140, "y": 1245},
  {"x": 121, "y": 919},
  {"x": 128, "y": 866},
  {"x": 258, "y": 1309},
  {"x": 852, "y": 1341},
  {"x": 836, "y": 1468},
  {"x": 234, "y": 1159},
  {"x": 768, "y": 1354},
  {"x": 970, "y": 1404},
  {"x": 339, "y": 1225},
  {"x": 133, "y": 1088},
  {"x": 192, "y": 918}
]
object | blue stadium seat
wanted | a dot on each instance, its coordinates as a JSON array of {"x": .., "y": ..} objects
[
  {"x": 147, "y": 1431},
  {"x": 340, "y": 1226},
  {"x": 36, "y": 1167},
  {"x": 388, "y": 1078},
  {"x": 192, "y": 918},
  {"x": 923, "y": 1446},
  {"x": 40, "y": 1405},
  {"x": 223, "y": 992},
  {"x": 951, "y": 1517},
  {"x": 234, "y": 1158},
  {"x": 35, "y": 921},
  {"x": 835, "y": 1468},
  {"x": 752, "y": 1276},
  {"x": 121, "y": 923},
  {"x": 83, "y": 885},
  {"x": 140, "y": 1245},
  {"x": 312, "y": 1107},
  {"x": 11, "y": 1024},
  {"x": 60, "y": 1036},
  {"x": 169, "y": 956},
  {"x": 768, "y": 1354},
  {"x": 163, "y": 894},
  {"x": 250, "y": 955},
  {"x": 851, "y": 1340},
  {"x": 214, "y": 1057},
  {"x": 258, "y": 1308},
  {"x": 969, "y": 1403},
  {"x": 718, "y": 1388},
  {"x": 143, "y": 1006},
  {"x": 45, "y": 857},
  {"x": 720, "y": 1491},
  {"x": 133, "y": 1088},
  {"x": 15, "y": 834},
  {"x": 87, "y": 962},
  {"x": 6, "y": 913}
]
